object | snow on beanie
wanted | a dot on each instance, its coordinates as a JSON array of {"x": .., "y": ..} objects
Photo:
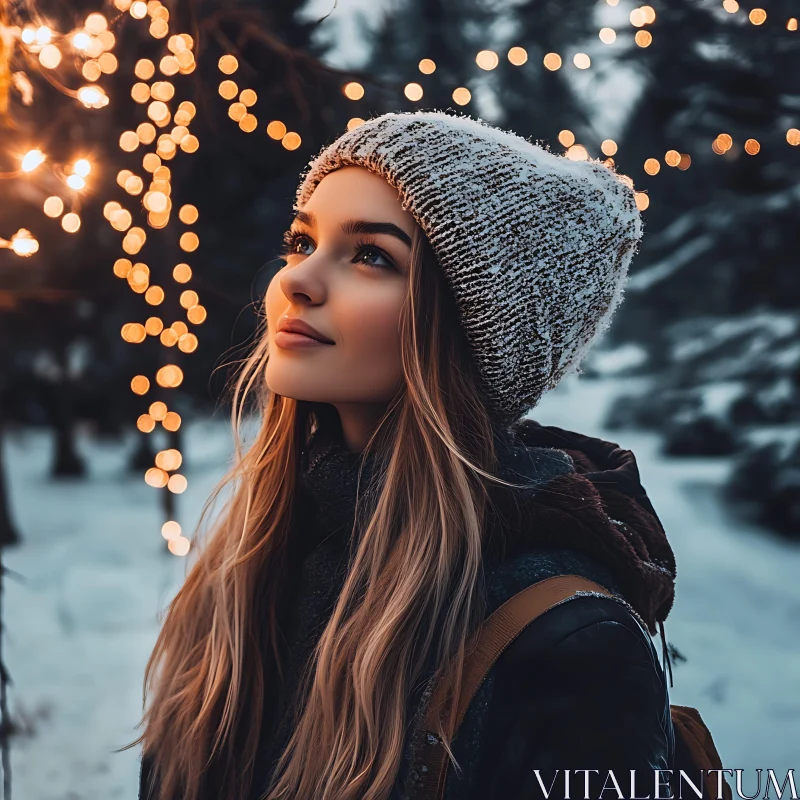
[{"x": 535, "y": 246}]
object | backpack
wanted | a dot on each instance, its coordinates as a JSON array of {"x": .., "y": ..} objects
[{"x": 694, "y": 747}]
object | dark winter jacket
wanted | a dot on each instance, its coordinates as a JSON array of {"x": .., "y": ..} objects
[{"x": 581, "y": 688}]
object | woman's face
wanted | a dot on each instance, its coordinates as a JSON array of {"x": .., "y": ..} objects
[{"x": 346, "y": 276}]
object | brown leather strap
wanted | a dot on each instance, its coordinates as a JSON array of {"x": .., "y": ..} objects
[{"x": 483, "y": 649}]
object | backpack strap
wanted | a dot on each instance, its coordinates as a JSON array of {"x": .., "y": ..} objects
[{"x": 483, "y": 649}]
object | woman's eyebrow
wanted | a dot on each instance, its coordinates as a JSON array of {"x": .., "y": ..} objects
[{"x": 354, "y": 226}]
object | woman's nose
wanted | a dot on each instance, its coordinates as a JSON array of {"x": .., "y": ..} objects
[{"x": 303, "y": 282}]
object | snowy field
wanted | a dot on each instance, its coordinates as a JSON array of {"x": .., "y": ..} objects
[{"x": 95, "y": 573}]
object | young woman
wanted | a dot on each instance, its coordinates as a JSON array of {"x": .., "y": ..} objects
[{"x": 440, "y": 276}]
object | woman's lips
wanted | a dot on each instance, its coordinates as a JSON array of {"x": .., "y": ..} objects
[{"x": 289, "y": 340}]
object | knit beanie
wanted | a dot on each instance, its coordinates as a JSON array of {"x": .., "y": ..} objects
[{"x": 535, "y": 246}]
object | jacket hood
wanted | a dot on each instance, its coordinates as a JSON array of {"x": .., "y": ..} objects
[{"x": 596, "y": 504}]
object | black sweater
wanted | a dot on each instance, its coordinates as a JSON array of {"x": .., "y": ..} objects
[{"x": 581, "y": 688}]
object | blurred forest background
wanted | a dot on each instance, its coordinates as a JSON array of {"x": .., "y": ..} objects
[{"x": 697, "y": 101}]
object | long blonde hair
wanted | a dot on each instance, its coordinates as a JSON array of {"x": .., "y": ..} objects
[{"x": 413, "y": 589}]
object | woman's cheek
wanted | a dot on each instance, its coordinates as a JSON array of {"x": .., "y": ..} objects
[{"x": 372, "y": 326}]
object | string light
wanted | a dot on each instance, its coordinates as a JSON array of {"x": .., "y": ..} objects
[
  {"x": 413, "y": 91},
  {"x": 577, "y": 152},
  {"x": 353, "y": 90},
  {"x": 581, "y": 61},
  {"x": 567, "y": 138},
  {"x": 652, "y": 166},
  {"x": 276, "y": 130},
  {"x": 517, "y": 56},
  {"x": 140, "y": 385},
  {"x": 22, "y": 243},
  {"x": 552, "y": 61},
  {"x": 487, "y": 59},
  {"x": 607, "y": 35},
  {"x": 291, "y": 140},
  {"x": 156, "y": 190},
  {"x": 752, "y": 147}
]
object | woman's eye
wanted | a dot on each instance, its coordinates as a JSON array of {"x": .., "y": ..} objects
[
  {"x": 373, "y": 257},
  {"x": 299, "y": 245}
]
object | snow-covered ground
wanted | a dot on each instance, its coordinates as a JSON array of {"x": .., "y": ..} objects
[{"x": 80, "y": 626}]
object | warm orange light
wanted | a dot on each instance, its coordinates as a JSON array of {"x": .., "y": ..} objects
[
  {"x": 133, "y": 332},
  {"x": 187, "y": 343},
  {"x": 177, "y": 484},
  {"x": 607, "y": 35},
  {"x": 189, "y": 298},
  {"x": 53, "y": 206},
  {"x": 169, "y": 376},
  {"x": 608, "y": 147},
  {"x": 353, "y": 90},
  {"x": 153, "y": 326},
  {"x": 581, "y": 61},
  {"x": 652, "y": 166},
  {"x": 566, "y": 137},
  {"x": 248, "y": 97},
  {"x": 169, "y": 460},
  {"x": 552, "y": 61},
  {"x": 291, "y": 141},
  {"x": 71, "y": 222},
  {"x": 140, "y": 385},
  {"x": 172, "y": 421},
  {"x": 228, "y": 89},
  {"x": 276, "y": 129},
  {"x": 196, "y": 315},
  {"x": 228, "y": 64},
  {"x": 179, "y": 546},
  {"x": 487, "y": 59},
  {"x": 145, "y": 423},
  {"x": 189, "y": 241},
  {"x": 188, "y": 214},
  {"x": 158, "y": 410},
  {"x": 171, "y": 530},
  {"x": 169, "y": 338},
  {"x": 577, "y": 153},
  {"x": 182, "y": 273},
  {"x": 154, "y": 296},
  {"x": 517, "y": 56},
  {"x": 752, "y": 147},
  {"x": 413, "y": 91},
  {"x": 156, "y": 478}
]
